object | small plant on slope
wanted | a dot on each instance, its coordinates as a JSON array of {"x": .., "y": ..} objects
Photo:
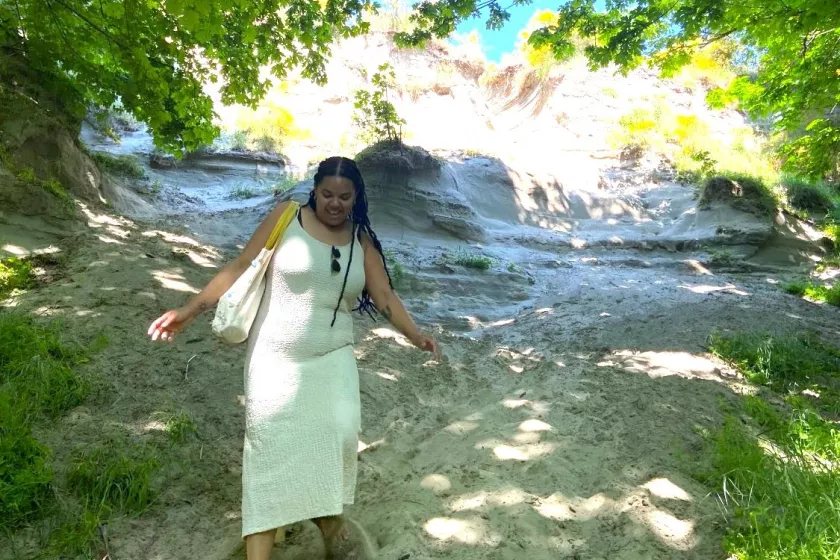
[
  {"x": 15, "y": 274},
  {"x": 127, "y": 166},
  {"x": 374, "y": 114}
]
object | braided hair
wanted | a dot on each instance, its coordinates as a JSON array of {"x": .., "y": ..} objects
[{"x": 346, "y": 168}]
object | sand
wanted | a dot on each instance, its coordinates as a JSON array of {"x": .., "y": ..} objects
[{"x": 570, "y": 427}]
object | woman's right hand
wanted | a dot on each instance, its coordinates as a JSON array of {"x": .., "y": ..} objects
[{"x": 170, "y": 323}]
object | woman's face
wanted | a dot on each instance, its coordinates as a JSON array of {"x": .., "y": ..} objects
[{"x": 334, "y": 198}]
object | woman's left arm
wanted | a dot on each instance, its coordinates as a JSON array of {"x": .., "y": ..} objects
[{"x": 389, "y": 303}]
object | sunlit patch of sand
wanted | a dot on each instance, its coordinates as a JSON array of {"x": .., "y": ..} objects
[{"x": 466, "y": 531}]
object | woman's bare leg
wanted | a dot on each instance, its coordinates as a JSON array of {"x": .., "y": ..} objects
[
  {"x": 332, "y": 531},
  {"x": 259, "y": 545},
  {"x": 345, "y": 539}
]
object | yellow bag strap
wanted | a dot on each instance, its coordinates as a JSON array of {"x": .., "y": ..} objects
[{"x": 281, "y": 225}]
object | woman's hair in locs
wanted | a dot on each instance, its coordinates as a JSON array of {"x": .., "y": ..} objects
[{"x": 347, "y": 168}]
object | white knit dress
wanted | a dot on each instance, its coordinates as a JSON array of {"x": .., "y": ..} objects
[{"x": 301, "y": 388}]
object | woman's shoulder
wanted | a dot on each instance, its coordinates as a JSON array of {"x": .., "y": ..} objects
[
  {"x": 282, "y": 207},
  {"x": 285, "y": 204},
  {"x": 364, "y": 238}
]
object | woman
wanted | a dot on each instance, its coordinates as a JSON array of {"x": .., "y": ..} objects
[{"x": 301, "y": 382}]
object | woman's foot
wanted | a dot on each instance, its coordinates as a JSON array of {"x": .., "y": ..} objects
[{"x": 339, "y": 542}]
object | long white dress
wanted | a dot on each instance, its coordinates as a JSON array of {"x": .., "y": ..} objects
[{"x": 301, "y": 388}]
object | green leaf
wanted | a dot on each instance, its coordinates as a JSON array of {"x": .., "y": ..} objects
[
  {"x": 190, "y": 19},
  {"x": 113, "y": 9}
]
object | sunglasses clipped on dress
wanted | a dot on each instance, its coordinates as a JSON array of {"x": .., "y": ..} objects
[{"x": 336, "y": 266}]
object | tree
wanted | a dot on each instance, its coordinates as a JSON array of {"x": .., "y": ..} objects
[
  {"x": 792, "y": 48},
  {"x": 374, "y": 113},
  {"x": 155, "y": 56}
]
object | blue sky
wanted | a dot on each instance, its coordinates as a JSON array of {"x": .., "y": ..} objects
[{"x": 497, "y": 43}]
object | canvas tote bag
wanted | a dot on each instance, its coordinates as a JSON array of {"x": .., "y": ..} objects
[{"x": 238, "y": 307}]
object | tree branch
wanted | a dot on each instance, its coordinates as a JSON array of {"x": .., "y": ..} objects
[
  {"x": 61, "y": 31},
  {"x": 808, "y": 40},
  {"x": 85, "y": 19},
  {"x": 718, "y": 37}
]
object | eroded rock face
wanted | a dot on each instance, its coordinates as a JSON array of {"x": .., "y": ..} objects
[
  {"x": 216, "y": 158},
  {"x": 46, "y": 146},
  {"x": 408, "y": 188}
]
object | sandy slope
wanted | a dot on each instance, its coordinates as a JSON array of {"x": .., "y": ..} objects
[{"x": 568, "y": 431}]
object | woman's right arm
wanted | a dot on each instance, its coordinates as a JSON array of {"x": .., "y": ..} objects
[{"x": 170, "y": 323}]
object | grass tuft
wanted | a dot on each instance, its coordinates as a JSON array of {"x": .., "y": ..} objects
[
  {"x": 75, "y": 537},
  {"x": 289, "y": 182},
  {"x": 114, "y": 477},
  {"x": 244, "y": 192},
  {"x": 127, "y": 166},
  {"x": 475, "y": 261},
  {"x": 810, "y": 197},
  {"x": 26, "y": 473},
  {"x": 815, "y": 292},
  {"x": 180, "y": 427},
  {"x": 15, "y": 274},
  {"x": 396, "y": 269},
  {"x": 785, "y": 365},
  {"x": 743, "y": 192}
]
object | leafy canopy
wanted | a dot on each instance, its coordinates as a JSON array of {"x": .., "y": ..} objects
[
  {"x": 790, "y": 67},
  {"x": 154, "y": 56}
]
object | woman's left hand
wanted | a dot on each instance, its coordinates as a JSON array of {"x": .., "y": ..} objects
[{"x": 429, "y": 344}]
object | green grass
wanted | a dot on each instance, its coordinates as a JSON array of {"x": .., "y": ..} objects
[
  {"x": 815, "y": 292},
  {"x": 831, "y": 261},
  {"x": 466, "y": 259},
  {"x": 785, "y": 365},
  {"x": 127, "y": 166},
  {"x": 38, "y": 381},
  {"x": 473, "y": 261},
  {"x": 26, "y": 472},
  {"x": 781, "y": 508},
  {"x": 15, "y": 274},
  {"x": 244, "y": 192},
  {"x": 810, "y": 197},
  {"x": 40, "y": 363},
  {"x": 796, "y": 288},
  {"x": 27, "y": 175},
  {"x": 180, "y": 427},
  {"x": 56, "y": 189},
  {"x": 51, "y": 185},
  {"x": 742, "y": 191},
  {"x": 239, "y": 140},
  {"x": 782, "y": 486},
  {"x": 114, "y": 477},
  {"x": 287, "y": 183},
  {"x": 396, "y": 269},
  {"x": 75, "y": 537}
]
